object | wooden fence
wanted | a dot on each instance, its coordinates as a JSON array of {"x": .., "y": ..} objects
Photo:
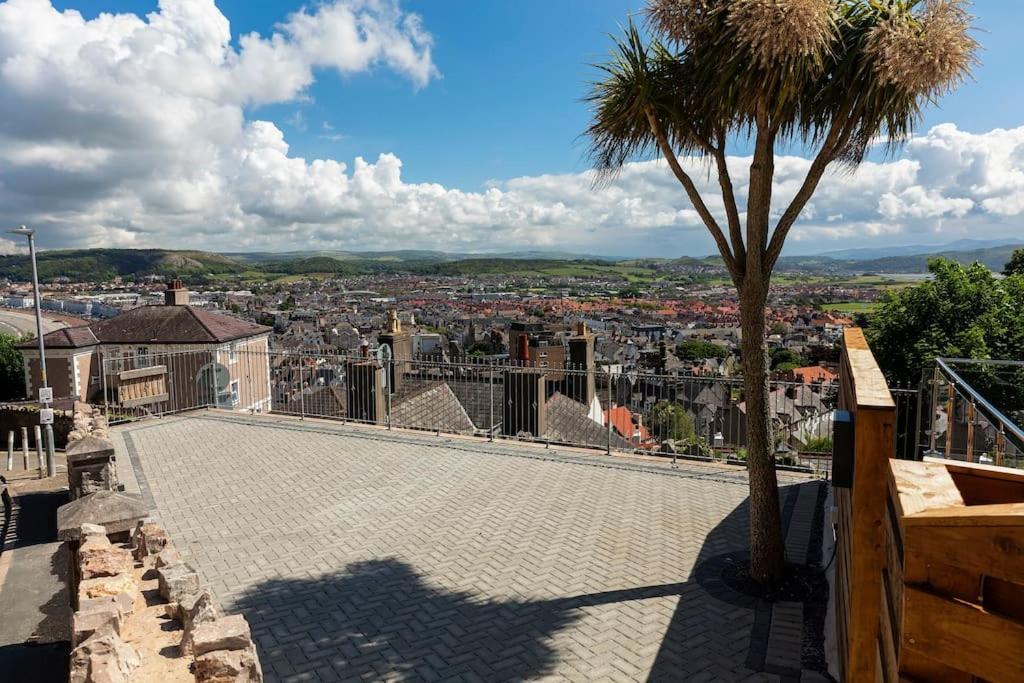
[{"x": 930, "y": 555}]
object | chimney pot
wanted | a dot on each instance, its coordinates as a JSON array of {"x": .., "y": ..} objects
[{"x": 176, "y": 294}]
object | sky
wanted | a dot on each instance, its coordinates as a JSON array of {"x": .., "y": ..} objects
[{"x": 397, "y": 124}]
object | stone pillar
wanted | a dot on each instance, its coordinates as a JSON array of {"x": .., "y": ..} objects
[{"x": 91, "y": 466}]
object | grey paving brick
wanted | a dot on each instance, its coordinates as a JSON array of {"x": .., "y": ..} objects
[{"x": 357, "y": 554}]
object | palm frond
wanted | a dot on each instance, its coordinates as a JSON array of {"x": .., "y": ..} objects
[
  {"x": 807, "y": 67},
  {"x": 619, "y": 130}
]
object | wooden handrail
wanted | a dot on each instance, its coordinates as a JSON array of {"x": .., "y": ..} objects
[
  {"x": 869, "y": 383},
  {"x": 861, "y": 536}
]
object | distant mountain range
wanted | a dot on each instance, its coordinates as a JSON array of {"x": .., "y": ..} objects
[
  {"x": 413, "y": 255},
  {"x": 995, "y": 257},
  {"x": 963, "y": 245},
  {"x": 105, "y": 264}
]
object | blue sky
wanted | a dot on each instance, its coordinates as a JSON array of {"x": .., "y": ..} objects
[
  {"x": 513, "y": 75},
  {"x": 483, "y": 155}
]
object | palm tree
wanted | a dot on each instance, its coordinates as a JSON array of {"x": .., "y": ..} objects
[{"x": 834, "y": 77}]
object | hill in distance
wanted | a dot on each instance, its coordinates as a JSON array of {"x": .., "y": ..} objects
[
  {"x": 962, "y": 245},
  {"x": 104, "y": 264}
]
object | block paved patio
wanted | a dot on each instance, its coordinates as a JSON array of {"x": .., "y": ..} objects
[{"x": 358, "y": 553}]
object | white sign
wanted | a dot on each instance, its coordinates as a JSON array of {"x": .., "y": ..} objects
[
  {"x": 46, "y": 395},
  {"x": 46, "y": 416}
]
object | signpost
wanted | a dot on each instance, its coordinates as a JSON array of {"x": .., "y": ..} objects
[{"x": 45, "y": 391}]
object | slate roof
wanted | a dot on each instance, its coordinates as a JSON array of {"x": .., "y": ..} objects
[
  {"x": 478, "y": 400},
  {"x": 568, "y": 421},
  {"x": 174, "y": 325},
  {"x": 326, "y": 401},
  {"x": 431, "y": 406},
  {"x": 64, "y": 338},
  {"x": 156, "y": 325}
]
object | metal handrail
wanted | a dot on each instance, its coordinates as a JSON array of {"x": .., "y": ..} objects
[
  {"x": 981, "y": 401},
  {"x": 301, "y": 382}
]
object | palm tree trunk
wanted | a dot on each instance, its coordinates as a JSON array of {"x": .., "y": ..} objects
[{"x": 767, "y": 553}]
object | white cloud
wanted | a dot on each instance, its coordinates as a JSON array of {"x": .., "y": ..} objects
[{"x": 132, "y": 131}]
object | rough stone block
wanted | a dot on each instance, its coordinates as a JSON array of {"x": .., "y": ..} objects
[
  {"x": 124, "y": 602},
  {"x": 89, "y": 530},
  {"x": 107, "y": 586},
  {"x": 92, "y": 616},
  {"x": 225, "y": 633},
  {"x": 148, "y": 539},
  {"x": 89, "y": 448},
  {"x": 168, "y": 556},
  {"x": 104, "y": 561},
  {"x": 114, "y": 511},
  {"x": 177, "y": 581},
  {"x": 93, "y": 542},
  {"x": 194, "y": 611},
  {"x": 229, "y": 666},
  {"x": 103, "y": 658}
]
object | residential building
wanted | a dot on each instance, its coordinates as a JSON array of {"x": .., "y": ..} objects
[{"x": 209, "y": 358}]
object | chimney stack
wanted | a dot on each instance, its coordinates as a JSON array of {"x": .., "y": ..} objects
[
  {"x": 365, "y": 392},
  {"x": 400, "y": 343},
  {"x": 581, "y": 385},
  {"x": 176, "y": 294},
  {"x": 524, "y": 409},
  {"x": 523, "y": 350}
]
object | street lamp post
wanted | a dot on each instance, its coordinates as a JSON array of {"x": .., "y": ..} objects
[{"x": 51, "y": 463}]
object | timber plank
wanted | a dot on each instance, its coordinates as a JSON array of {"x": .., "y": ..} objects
[
  {"x": 971, "y": 516},
  {"x": 988, "y": 551},
  {"x": 963, "y": 636},
  {"x": 921, "y": 486}
]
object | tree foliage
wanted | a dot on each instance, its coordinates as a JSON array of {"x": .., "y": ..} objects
[
  {"x": 695, "y": 349},
  {"x": 962, "y": 312},
  {"x": 1015, "y": 266},
  {"x": 834, "y": 75},
  {"x": 788, "y": 358},
  {"x": 12, "y": 377},
  {"x": 671, "y": 421}
]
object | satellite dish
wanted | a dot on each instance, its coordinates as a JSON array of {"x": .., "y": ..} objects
[{"x": 213, "y": 376}]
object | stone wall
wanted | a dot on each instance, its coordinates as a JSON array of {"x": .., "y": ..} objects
[
  {"x": 140, "y": 613},
  {"x": 92, "y": 464},
  {"x": 14, "y": 416}
]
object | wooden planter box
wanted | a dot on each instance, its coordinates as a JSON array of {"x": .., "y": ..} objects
[{"x": 953, "y": 575}]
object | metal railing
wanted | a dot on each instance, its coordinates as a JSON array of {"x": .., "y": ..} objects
[
  {"x": 976, "y": 409},
  {"x": 679, "y": 416}
]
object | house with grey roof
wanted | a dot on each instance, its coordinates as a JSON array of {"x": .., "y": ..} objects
[{"x": 207, "y": 358}]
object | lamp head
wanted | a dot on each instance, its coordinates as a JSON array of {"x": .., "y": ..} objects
[{"x": 22, "y": 230}]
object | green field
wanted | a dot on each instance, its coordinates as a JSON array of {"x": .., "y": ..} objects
[
  {"x": 852, "y": 306},
  {"x": 632, "y": 274}
]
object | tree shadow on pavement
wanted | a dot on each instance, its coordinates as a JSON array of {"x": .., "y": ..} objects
[{"x": 380, "y": 620}]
